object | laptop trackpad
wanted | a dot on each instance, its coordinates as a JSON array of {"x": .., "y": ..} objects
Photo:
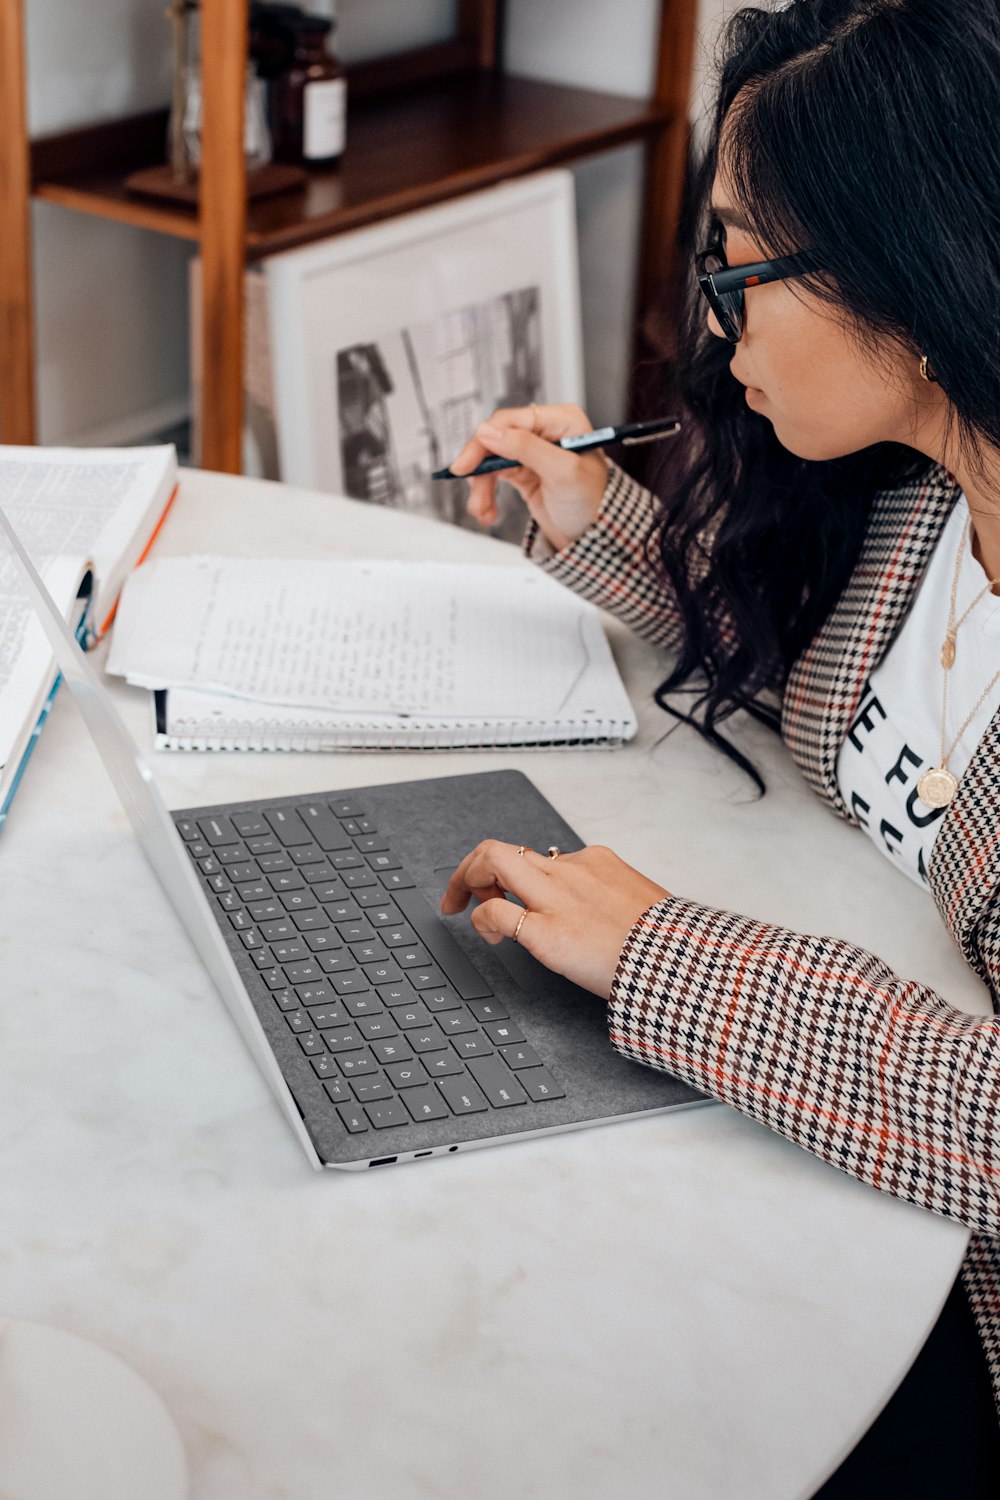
[{"x": 518, "y": 962}]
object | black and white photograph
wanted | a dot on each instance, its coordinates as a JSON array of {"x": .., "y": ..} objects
[{"x": 407, "y": 400}]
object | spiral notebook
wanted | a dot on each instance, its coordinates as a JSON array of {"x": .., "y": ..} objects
[{"x": 325, "y": 655}]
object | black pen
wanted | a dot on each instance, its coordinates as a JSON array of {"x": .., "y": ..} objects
[{"x": 629, "y": 434}]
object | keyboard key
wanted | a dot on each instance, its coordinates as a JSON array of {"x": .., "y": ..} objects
[
  {"x": 488, "y": 1010},
  {"x": 425, "y": 979},
  {"x": 372, "y": 952},
  {"x": 229, "y": 901},
  {"x": 353, "y": 1116},
  {"x": 397, "y": 935},
  {"x": 501, "y": 1033},
  {"x": 370, "y": 843},
  {"x": 383, "y": 861},
  {"x": 497, "y": 1082},
  {"x": 249, "y": 824},
  {"x": 273, "y": 978},
  {"x": 217, "y": 829},
  {"x": 306, "y": 921},
  {"x": 462, "y": 1096},
  {"x": 323, "y": 1017},
  {"x": 325, "y": 1067},
  {"x": 375, "y": 896},
  {"x": 283, "y": 927},
  {"x": 318, "y": 874},
  {"x": 241, "y": 919},
  {"x": 338, "y": 1091},
  {"x": 521, "y": 1056},
  {"x": 387, "y": 1112},
  {"x": 356, "y": 879},
  {"x": 298, "y": 1020},
  {"x": 353, "y": 1063},
  {"x": 348, "y": 984},
  {"x": 285, "y": 999},
  {"x": 337, "y": 962},
  {"x": 373, "y": 1086},
  {"x": 412, "y": 956},
  {"x": 262, "y": 955},
  {"x": 434, "y": 934},
  {"x": 425, "y": 1103},
  {"x": 287, "y": 880},
  {"x": 316, "y": 994},
  {"x": 287, "y": 826},
  {"x": 397, "y": 994},
  {"x": 272, "y": 862},
  {"x": 296, "y": 900},
  {"x": 323, "y": 826},
  {"x": 540, "y": 1085},
  {"x": 367, "y": 1004},
  {"x": 266, "y": 910},
  {"x": 210, "y": 866},
  {"x": 471, "y": 1046},
  {"x": 309, "y": 972},
  {"x": 228, "y": 854},
  {"x": 390, "y": 1051},
  {"x": 257, "y": 891},
  {"x": 351, "y": 860},
  {"x": 347, "y": 807},
  {"x": 308, "y": 854},
  {"x": 330, "y": 890},
  {"x": 343, "y": 1041},
  {"x": 438, "y": 1000},
  {"x": 385, "y": 973},
  {"x": 358, "y": 931},
  {"x": 346, "y": 910},
  {"x": 268, "y": 844},
  {"x": 187, "y": 828},
  {"x": 457, "y": 1022},
  {"x": 442, "y": 1064},
  {"x": 407, "y": 1016},
  {"x": 218, "y": 883},
  {"x": 324, "y": 941},
  {"x": 245, "y": 871},
  {"x": 426, "y": 1039},
  {"x": 310, "y": 1042},
  {"x": 374, "y": 1028},
  {"x": 289, "y": 953},
  {"x": 396, "y": 880},
  {"x": 405, "y": 1075}
]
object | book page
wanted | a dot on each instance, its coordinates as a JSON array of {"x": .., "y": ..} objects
[
  {"x": 86, "y": 503},
  {"x": 25, "y": 653},
  {"x": 363, "y": 637}
]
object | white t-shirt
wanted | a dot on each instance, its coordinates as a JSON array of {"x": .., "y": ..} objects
[{"x": 896, "y": 732}]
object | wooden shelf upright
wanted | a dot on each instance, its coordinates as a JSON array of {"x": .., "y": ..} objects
[{"x": 423, "y": 126}]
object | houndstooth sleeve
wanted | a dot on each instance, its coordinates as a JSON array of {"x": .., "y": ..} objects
[
  {"x": 609, "y": 565},
  {"x": 822, "y": 1042}
]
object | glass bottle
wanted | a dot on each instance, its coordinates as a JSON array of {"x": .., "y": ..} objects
[{"x": 309, "y": 100}]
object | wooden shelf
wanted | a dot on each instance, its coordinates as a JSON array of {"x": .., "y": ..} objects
[{"x": 404, "y": 151}]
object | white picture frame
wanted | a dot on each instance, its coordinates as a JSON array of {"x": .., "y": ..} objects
[{"x": 389, "y": 343}]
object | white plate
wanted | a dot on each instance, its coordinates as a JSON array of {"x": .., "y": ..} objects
[{"x": 76, "y": 1423}]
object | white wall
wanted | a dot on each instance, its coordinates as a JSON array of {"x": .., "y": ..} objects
[{"x": 112, "y": 301}]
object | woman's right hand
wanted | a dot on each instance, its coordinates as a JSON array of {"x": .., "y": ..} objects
[{"x": 562, "y": 490}]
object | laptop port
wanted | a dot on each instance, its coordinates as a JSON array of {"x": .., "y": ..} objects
[{"x": 383, "y": 1161}]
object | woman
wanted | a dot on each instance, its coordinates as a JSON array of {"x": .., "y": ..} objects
[{"x": 826, "y": 554}]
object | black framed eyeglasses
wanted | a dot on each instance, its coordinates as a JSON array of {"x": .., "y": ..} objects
[{"x": 724, "y": 285}]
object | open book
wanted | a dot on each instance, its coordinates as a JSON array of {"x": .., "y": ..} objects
[
  {"x": 325, "y": 655},
  {"x": 87, "y": 516}
]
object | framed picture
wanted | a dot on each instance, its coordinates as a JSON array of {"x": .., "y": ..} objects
[{"x": 388, "y": 344}]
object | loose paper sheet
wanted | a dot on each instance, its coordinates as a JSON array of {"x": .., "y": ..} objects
[{"x": 442, "y": 639}]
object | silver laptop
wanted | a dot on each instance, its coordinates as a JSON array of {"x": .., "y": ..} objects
[{"x": 385, "y": 1033}]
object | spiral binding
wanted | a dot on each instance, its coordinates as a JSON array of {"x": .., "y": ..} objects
[{"x": 264, "y": 734}]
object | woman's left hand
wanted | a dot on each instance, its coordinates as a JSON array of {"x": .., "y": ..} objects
[{"x": 578, "y": 908}]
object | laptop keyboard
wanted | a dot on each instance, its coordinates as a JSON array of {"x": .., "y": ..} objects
[{"x": 395, "y": 1020}]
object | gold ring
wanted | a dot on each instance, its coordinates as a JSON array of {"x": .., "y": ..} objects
[
  {"x": 520, "y": 919},
  {"x": 534, "y": 417},
  {"x": 553, "y": 851}
]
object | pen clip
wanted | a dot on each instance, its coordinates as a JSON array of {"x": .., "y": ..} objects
[{"x": 651, "y": 437}]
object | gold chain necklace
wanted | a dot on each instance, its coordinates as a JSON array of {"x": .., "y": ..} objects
[{"x": 937, "y": 787}]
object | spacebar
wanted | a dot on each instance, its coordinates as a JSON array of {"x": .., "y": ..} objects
[{"x": 442, "y": 946}]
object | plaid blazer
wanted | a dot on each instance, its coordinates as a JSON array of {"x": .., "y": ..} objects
[{"x": 813, "y": 1036}]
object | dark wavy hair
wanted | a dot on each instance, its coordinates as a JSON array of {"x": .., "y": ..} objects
[{"x": 867, "y": 132}]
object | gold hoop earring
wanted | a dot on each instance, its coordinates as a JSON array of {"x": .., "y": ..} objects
[{"x": 925, "y": 372}]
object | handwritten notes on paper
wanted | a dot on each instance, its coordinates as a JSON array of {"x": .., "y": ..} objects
[{"x": 454, "y": 641}]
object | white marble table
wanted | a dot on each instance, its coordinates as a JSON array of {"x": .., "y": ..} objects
[{"x": 684, "y": 1306}]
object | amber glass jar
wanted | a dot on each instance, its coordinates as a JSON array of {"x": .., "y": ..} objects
[{"x": 309, "y": 99}]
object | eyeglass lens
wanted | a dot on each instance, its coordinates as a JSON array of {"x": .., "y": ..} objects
[{"x": 728, "y": 306}]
